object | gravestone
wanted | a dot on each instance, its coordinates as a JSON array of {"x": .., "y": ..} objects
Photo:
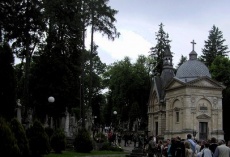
[
  {"x": 19, "y": 111},
  {"x": 66, "y": 123}
]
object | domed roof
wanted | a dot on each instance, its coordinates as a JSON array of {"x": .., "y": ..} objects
[{"x": 192, "y": 68}]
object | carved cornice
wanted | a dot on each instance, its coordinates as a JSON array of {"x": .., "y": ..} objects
[{"x": 203, "y": 116}]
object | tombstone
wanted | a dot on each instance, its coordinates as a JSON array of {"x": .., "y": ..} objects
[
  {"x": 19, "y": 111},
  {"x": 66, "y": 129},
  {"x": 46, "y": 122},
  {"x": 29, "y": 118},
  {"x": 72, "y": 126},
  {"x": 140, "y": 150}
]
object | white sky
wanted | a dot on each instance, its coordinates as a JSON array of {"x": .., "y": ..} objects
[{"x": 184, "y": 20}]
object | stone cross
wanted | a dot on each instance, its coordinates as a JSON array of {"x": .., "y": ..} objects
[{"x": 193, "y": 43}]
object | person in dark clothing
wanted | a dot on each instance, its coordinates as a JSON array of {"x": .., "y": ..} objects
[
  {"x": 151, "y": 147},
  {"x": 126, "y": 139},
  {"x": 213, "y": 144},
  {"x": 177, "y": 148}
]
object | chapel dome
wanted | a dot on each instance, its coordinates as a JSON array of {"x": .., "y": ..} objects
[{"x": 192, "y": 68}]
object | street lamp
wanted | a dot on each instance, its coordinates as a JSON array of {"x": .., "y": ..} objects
[
  {"x": 114, "y": 112},
  {"x": 50, "y": 100}
]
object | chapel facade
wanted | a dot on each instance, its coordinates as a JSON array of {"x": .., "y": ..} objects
[{"x": 189, "y": 101}]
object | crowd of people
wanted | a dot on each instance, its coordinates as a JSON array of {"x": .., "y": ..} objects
[
  {"x": 177, "y": 147},
  {"x": 174, "y": 147}
]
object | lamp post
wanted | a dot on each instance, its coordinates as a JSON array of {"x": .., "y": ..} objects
[
  {"x": 51, "y": 99},
  {"x": 115, "y": 114}
]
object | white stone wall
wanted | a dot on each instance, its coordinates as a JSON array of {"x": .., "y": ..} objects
[{"x": 190, "y": 100}]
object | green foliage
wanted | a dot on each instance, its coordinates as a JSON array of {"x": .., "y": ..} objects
[
  {"x": 7, "y": 82},
  {"x": 220, "y": 70},
  {"x": 83, "y": 143},
  {"x": 157, "y": 52},
  {"x": 23, "y": 27},
  {"x": 8, "y": 143},
  {"x": 58, "y": 141},
  {"x": 214, "y": 46},
  {"x": 127, "y": 83},
  {"x": 135, "y": 111},
  {"x": 38, "y": 139},
  {"x": 97, "y": 85},
  {"x": 20, "y": 135},
  {"x": 93, "y": 153},
  {"x": 101, "y": 17},
  {"x": 49, "y": 131}
]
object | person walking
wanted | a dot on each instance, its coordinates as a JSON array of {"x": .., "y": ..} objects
[
  {"x": 213, "y": 145},
  {"x": 192, "y": 143},
  {"x": 169, "y": 147},
  {"x": 206, "y": 152},
  {"x": 151, "y": 147},
  {"x": 188, "y": 151},
  {"x": 177, "y": 148},
  {"x": 198, "y": 146},
  {"x": 222, "y": 150}
]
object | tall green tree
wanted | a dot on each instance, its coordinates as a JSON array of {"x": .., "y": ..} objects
[
  {"x": 97, "y": 85},
  {"x": 23, "y": 27},
  {"x": 101, "y": 19},
  {"x": 221, "y": 72},
  {"x": 56, "y": 66},
  {"x": 157, "y": 51},
  {"x": 214, "y": 46},
  {"x": 7, "y": 82},
  {"x": 128, "y": 83}
]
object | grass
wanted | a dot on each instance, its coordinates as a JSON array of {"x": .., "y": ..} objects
[{"x": 93, "y": 153}]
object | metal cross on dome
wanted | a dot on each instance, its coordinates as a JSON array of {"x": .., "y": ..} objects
[{"x": 193, "y": 43}]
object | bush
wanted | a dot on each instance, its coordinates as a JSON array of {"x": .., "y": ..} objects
[
  {"x": 8, "y": 143},
  {"x": 106, "y": 146},
  {"x": 49, "y": 131},
  {"x": 58, "y": 141},
  {"x": 38, "y": 139},
  {"x": 83, "y": 143},
  {"x": 20, "y": 135}
]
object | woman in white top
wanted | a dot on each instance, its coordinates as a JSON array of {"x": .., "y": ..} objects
[
  {"x": 188, "y": 150},
  {"x": 206, "y": 152}
]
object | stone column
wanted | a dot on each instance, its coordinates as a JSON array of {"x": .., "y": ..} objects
[
  {"x": 46, "y": 121},
  {"x": 19, "y": 111},
  {"x": 66, "y": 123}
]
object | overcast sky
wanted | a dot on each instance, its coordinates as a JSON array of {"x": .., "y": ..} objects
[{"x": 184, "y": 21}]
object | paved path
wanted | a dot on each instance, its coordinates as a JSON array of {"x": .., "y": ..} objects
[{"x": 127, "y": 150}]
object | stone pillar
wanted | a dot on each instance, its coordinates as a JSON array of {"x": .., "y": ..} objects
[
  {"x": 19, "y": 111},
  {"x": 67, "y": 123},
  {"x": 51, "y": 122},
  {"x": 46, "y": 121}
]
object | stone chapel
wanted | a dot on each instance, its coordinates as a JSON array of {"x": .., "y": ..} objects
[{"x": 189, "y": 101}]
